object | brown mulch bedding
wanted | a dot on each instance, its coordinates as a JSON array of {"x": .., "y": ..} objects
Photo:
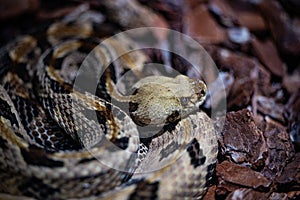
[{"x": 256, "y": 45}]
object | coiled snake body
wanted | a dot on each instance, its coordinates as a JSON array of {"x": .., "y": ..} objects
[{"x": 62, "y": 138}]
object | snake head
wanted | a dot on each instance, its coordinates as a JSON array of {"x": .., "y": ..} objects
[{"x": 160, "y": 100}]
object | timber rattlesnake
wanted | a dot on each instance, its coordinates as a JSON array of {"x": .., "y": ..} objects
[{"x": 63, "y": 139}]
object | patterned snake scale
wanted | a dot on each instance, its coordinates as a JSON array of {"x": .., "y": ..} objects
[{"x": 63, "y": 138}]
